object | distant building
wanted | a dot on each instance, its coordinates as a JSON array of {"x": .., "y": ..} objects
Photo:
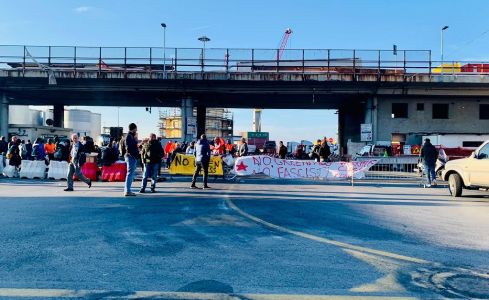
[
  {"x": 219, "y": 122},
  {"x": 30, "y": 123}
]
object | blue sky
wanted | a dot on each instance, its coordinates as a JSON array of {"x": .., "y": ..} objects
[{"x": 413, "y": 24}]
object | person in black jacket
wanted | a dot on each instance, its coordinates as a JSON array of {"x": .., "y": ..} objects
[
  {"x": 151, "y": 156},
  {"x": 282, "y": 150},
  {"x": 130, "y": 148},
  {"x": 324, "y": 151},
  {"x": 429, "y": 154}
]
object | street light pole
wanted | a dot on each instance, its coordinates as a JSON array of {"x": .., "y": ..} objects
[
  {"x": 442, "y": 30},
  {"x": 204, "y": 39},
  {"x": 164, "y": 49}
]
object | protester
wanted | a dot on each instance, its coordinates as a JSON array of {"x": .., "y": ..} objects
[
  {"x": 130, "y": 148},
  {"x": 218, "y": 146},
  {"x": 429, "y": 155},
  {"x": 77, "y": 160},
  {"x": 108, "y": 155},
  {"x": 315, "y": 151},
  {"x": 65, "y": 156},
  {"x": 202, "y": 159},
  {"x": 50, "y": 148},
  {"x": 243, "y": 148},
  {"x": 282, "y": 150},
  {"x": 38, "y": 152},
  {"x": 13, "y": 154},
  {"x": 151, "y": 156},
  {"x": 325, "y": 151},
  {"x": 178, "y": 149},
  {"x": 28, "y": 148},
  {"x": 12, "y": 142},
  {"x": 230, "y": 149},
  {"x": 3, "y": 146},
  {"x": 190, "y": 149},
  {"x": 299, "y": 152}
]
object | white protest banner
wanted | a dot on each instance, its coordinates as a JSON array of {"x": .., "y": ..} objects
[{"x": 290, "y": 169}]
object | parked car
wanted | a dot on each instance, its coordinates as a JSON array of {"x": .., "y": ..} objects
[{"x": 468, "y": 173}]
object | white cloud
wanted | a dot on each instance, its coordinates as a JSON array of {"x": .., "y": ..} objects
[{"x": 83, "y": 9}]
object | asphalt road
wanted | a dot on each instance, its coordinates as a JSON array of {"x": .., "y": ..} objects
[{"x": 256, "y": 239}]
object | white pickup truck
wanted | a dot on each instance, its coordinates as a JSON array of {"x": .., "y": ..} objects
[{"x": 468, "y": 173}]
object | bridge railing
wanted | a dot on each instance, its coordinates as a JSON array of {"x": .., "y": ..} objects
[{"x": 158, "y": 62}]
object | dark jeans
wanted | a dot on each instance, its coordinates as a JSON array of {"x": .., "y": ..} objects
[
  {"x": 199, "y": 165},
  {"x": 150, "y": 171},
  {"x": 430, "y": 172}
]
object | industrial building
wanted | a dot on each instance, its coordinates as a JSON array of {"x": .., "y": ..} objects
[
  {"x": 31, "y": 123},
  {"x": 219, "y": 122}
]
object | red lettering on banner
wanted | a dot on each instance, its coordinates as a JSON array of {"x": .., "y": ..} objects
[
  {"x": 267, "y": 160},
  {"x": 278, "y": 162},
  {"x": 256, "y": 160},
  {"x": 279, "y": 172}
]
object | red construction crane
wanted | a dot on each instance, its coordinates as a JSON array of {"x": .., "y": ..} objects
[{"x": 285, "y": 38}]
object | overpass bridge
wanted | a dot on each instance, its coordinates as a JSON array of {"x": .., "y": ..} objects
[{"x": 363, "y": 85}]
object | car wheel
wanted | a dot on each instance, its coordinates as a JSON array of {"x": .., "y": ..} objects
[{"x": 455, "y": 185}]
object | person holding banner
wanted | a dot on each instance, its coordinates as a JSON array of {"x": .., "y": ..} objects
[{"x": 202, "y": 159}]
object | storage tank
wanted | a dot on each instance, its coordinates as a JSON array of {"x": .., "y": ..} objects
[
  {"x": 83, "y": 122},
  {"x": 23, "y": 115}
]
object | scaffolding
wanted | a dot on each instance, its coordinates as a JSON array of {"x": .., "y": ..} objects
[{"x": 219, "y": 123}]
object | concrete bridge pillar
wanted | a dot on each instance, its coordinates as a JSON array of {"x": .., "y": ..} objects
[
  {"x": 187, "y": 119},
  {"x": 201, "y": 114},
  {"x": 350, "y": 117},
  {"x": 59, "y": 115},
  {"x": 371, "y": 116},
  {"x": 4, "y": 106}
]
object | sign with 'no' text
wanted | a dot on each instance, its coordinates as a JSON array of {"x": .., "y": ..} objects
[
  {"x": 290, "y": 169},
  {"x": 185, "y": 165}
]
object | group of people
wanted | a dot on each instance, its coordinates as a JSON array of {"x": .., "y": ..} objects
[{"x": 17, "y": 150}]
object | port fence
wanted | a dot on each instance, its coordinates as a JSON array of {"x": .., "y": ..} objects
[{"x": 390, "y": 168}]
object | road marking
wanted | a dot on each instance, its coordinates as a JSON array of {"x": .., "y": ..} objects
[
  {"x": 325, "y": 240},
  {"x": 67, "y": 293}
]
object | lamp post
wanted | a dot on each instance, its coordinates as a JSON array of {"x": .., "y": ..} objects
[
  {"x": 164, "y": 49},
  {"x": 441, "y": 42},
  {"x": 204, "y": 39}
]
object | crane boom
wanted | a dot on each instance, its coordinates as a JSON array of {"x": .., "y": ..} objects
[{"x": 283, "y": 44}]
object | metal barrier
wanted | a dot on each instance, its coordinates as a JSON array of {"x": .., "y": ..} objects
[{"x": 392, "y": 168}]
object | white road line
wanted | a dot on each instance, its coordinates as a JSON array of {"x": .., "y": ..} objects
[{"x": 67, "y": 293}]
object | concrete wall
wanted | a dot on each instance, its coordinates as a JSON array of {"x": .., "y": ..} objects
[{"x": 463, "y": 119}]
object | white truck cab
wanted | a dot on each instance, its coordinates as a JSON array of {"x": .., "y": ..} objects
[{"x": 468, "y": 173}]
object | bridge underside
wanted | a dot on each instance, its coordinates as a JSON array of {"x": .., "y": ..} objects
[{"x": 354, "y": 100}]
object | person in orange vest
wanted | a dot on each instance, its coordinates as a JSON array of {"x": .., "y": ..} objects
[
  {"x": 50, "y": 148},
  {"x": 168, "y": 153},
  {"x": 230, "y": 148}
]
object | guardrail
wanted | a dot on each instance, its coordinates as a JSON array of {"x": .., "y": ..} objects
[{"x": 159, "y": 62}]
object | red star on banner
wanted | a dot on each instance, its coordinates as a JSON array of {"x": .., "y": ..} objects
[{"x": 241, "y": 167}]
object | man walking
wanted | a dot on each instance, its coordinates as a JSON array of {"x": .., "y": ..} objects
[
  {"x": 202, "y": 159},
  {"x": 130, "y": 147},
  {"x": 429, "y": 156},
  {"x": 77, "y": 160},
  {"x": 151, "y": 156}
]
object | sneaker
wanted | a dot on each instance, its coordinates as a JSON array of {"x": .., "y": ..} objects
[
  {"x": 68, "y": 190},
  {"x": 193, "y": 187},
  {"x": 206, "y": 187},
  {"x": 153, "y": 190},
  {"x": 428, "y": 185},
  {"x": 130, "y": 194},
  {"x": 142, "y": 191}
]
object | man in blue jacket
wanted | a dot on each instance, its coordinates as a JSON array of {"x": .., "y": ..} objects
[
  {"x": 130, "y": 147},
  {"x": 202, "y": 159}
]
